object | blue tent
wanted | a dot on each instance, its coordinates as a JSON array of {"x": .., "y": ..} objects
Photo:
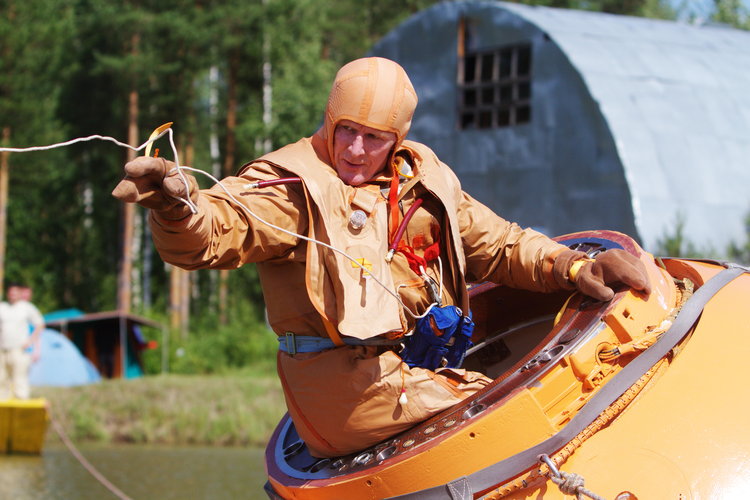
[{"x": 61, "y": 363}]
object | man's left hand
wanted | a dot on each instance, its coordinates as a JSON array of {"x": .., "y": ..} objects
[{"x": 611, "y": 268}]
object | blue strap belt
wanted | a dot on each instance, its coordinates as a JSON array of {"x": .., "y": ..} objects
[{"x": 293, "y": 344}]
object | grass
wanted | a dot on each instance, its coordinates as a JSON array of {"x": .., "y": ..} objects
[{"x": 238, "y": 408}]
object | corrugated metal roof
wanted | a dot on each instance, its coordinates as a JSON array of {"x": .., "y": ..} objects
[{"x": 676, "y": 98}]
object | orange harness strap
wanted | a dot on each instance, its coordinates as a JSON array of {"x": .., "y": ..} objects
[
  {"x": 393, "y": 206},
  {"x": 332, "y": 332}
]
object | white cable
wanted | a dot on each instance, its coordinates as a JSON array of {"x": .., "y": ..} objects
[
  {"x": 306, "y": 238},
  {"x": 440, "y": 263},
  {"x": 415, "y": 316},
  {"x": 440, "y": 278},
  {"x": 85, "y": 139},
  {"x": 169, "y": 131},
  {"x": 187, "y": 200},
  {"x": 194, "y": 209},
  {"x": 426, "y": 312}
]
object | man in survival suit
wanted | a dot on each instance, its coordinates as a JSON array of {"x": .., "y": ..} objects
[{"x": 412, "y": 240}]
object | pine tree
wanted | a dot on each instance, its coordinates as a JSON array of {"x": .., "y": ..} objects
[{"x": 33, "y": 63}]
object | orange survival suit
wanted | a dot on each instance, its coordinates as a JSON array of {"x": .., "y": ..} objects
[{"x": 346, "y": 398}]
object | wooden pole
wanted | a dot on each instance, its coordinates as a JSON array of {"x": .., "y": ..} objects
[
  {"x": 4, "y": 173},
  {"x": 179, "y": 279},
  {"x": 232, "y": 83},
  {"x": 186, "y": 281},
  {"x": 124, "y": 278},
  {"x": 185, "y": 286},
  {"x": 179, "y": 300},
  {"x": 174, "y": 298}
]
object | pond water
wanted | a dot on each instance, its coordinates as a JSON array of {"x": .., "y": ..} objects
[{"x": 140, "y": 472}]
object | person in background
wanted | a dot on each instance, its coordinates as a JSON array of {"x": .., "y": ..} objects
[
  {"x": 18, "y": 349},
  {"x": 412, "y": 240}
]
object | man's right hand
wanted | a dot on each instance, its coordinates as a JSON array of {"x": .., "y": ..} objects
[{"x": 154, "y": 183}]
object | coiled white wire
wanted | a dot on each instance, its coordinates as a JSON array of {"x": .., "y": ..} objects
[{"x": 169, "y": 131}]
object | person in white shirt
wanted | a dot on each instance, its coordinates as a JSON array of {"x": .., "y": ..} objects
[{"x": 18, "y": 349}]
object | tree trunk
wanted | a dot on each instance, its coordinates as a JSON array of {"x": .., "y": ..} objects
[
  {"x": 234, "y": 62},
  {"x": 128, "y": 217},
  {"x": 175, "y": 299},
  {"x": 187, "y": 276},
  {"x": 180, "y": 279},
  {"x": 264, "y": 145},
  {"x": 215, "y": 153},
  {"x": 4, "y": 173},
  {"x": 124, "y": 279}
]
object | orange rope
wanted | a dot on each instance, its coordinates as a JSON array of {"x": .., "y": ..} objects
[
  {"x": 540, "y": 474},
  {"x": 533, "y": 476}
]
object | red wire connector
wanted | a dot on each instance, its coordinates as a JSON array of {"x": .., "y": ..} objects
[
  {"x": 273, "y": 182},
  {"x": 401, "y": 228}
]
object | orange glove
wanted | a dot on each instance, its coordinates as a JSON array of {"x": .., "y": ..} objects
[
  {"x": 610, "y": 268},
  {"x": 154, "y": 183}
]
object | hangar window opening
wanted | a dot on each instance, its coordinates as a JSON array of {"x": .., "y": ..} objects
[{"x": 495, "y": 87}]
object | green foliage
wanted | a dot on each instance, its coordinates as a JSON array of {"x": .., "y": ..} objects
[
  {"x": 224, "y": 347},
  {"x": 237, "y": 408},
  {"x": 35, "y": 38},
  {"x": 674, "y": 243},
  {"x": 732, "y": 12},
  {"x": 69, "y": 68},
  {"x": 661, "y": 9},
  {"x": 87, "y": 427},
  {"x": 299, "y": 74},
  {"x": 34, "y": 57},
  {"x": 349, "y": 29},
  {"x": 214, "y": 348}
]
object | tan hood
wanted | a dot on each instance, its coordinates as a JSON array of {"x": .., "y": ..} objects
[{"x": 372, "y": 91}]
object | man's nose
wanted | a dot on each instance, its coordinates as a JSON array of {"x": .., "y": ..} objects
[{"x": 357, "y": 145}]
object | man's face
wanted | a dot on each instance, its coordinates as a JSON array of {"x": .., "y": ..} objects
[
  {"x": 14, "y": 294},
  {"x": 360, "y": 152}
]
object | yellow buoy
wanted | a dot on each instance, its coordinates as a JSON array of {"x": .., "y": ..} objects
[{"x": 23, "y": 425}]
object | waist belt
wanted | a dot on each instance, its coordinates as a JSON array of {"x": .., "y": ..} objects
[{"x": 293, "y": 344}]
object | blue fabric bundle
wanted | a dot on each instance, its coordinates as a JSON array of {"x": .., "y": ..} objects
[{"x": 444, "y": 333}]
